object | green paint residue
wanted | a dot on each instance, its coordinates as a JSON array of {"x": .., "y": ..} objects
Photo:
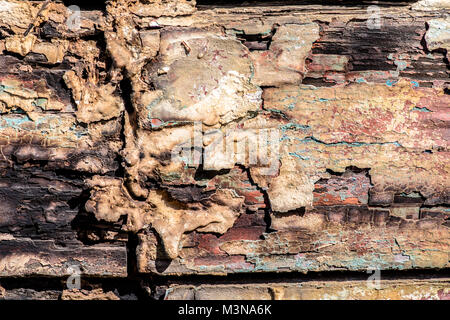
[{"x": 424, "y": 109}]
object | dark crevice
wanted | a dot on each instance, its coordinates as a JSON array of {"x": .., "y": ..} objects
[
  {"x": 293, "y": 277},
  {"x": 202, "y": 174},
  {"x": 268, "y": 207},
  {"x": 132, "y": 243},
  {"x": 80, "y": 200},
  {"x": 90, "y": 231},
  {"x": 445, "y": 205},
  {"x": 126, "y": 89},
  {"x": 348, "y": 169},
  {"x": 317, "y": 82},
  {"x": 207, "y": 4},
  {"x": 189, "y": 194},
  {"x": 87, "y": 5},
  {"x": 73, "y": 174},
  {"x": 255, "y": 42},
  {"x": 423, "y": 42}
]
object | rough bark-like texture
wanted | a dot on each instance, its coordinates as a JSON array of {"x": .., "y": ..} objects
[{"x": 144, "y": 140}]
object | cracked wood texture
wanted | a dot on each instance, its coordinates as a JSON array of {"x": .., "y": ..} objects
[{"x": 153, "y": 139}]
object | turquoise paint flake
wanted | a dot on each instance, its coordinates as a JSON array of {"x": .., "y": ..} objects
[
  {"x": 302, "y": 263},
  {"x": 151, "y": 105},
  {"x": 411, "y": 195},
  {"x": 390, "y": 83},
  {"x": 291, "y": 106},
  {"x": 424, "y": 109},
  {"x": 294, "y": 154},
  {"x": 40, "y": 102},
  {"x": 79, "y": 134},
  {"x": 15, "y": 122}
]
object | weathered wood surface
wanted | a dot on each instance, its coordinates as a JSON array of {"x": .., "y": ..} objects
[
  {"x": 95, "y": 112},
  {"x": 26, "y": 257},
  {"x": 316, "y": 290}
]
